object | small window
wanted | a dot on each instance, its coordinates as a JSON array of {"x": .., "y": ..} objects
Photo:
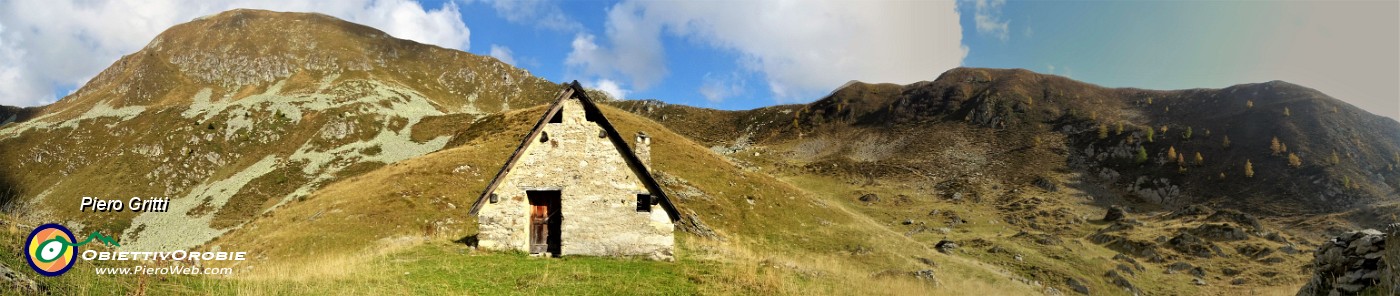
[
  {"x": 558, "y": 116},
  {"x": 544, "y": 136},
  {"x": 590, "y": 115},
  {"x": 644, "y": 203}
]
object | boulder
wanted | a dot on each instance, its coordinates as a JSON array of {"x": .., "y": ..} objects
[
  {"x": 1076, "y": 285},
  {"x": 1229, "y": 215},
  {"x": 11, "y": 280},
  {"x": 1190, "y": 211},
  {"x": 1189, "y": 244},
  {"x": 1120, "y": 280},
  {"x": 1115, "y": 213},
  {"x": 1046, "y": 184},
  {"x": 1220, "y": 232},
  {"x": 946, "y": 246}
]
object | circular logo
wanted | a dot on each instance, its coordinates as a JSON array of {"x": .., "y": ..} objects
[{"x": 50, "y": 250}]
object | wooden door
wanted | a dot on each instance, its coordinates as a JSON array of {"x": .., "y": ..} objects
[
  {"x": 545, "y": 221},
  {"x": 539, "y": 229}
]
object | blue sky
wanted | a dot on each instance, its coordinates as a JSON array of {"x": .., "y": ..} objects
[
  {"x": 747, "y": 54},
  {"x": 1345, "y": 49}
]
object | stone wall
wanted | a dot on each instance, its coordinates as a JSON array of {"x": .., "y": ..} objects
[
  {"x": 1350, "y": 264},
  {"x": 599, "y": 196}
]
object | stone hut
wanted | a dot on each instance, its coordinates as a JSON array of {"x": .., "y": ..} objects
[{"x": 574, "y": 187}]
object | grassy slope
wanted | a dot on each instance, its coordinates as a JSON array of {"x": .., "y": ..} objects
[{"x": 787, "y": 240}]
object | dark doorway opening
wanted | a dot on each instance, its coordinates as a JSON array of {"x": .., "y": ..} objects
[{"x": 545, "y": 219}]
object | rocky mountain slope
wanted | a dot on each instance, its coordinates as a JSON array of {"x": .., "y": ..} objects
[
  {"x": 1345, "y": 157},
  {"x": 236, "y": 114}
]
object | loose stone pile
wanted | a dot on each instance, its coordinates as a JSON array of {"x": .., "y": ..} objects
[{"x": 1349, "y": 264}]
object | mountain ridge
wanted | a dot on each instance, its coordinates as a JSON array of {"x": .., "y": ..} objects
[{"x": 1250, "y": 114}]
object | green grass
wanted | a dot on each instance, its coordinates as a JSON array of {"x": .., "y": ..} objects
[
  {"x": 432, "y": 269},
  {"x": 439, "y": 269}
]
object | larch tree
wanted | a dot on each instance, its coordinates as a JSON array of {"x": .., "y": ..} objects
[{"x": 1274, "y": 146}]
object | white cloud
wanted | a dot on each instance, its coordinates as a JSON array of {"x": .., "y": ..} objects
[
  {"x": 47, "y": 45},
  {"x": 801, "y": 48},
  {"x": 634, "y": 49},
  {"x": 502, "y": 53},
  {"x": 716, "y": 88},
  {"x": 987, "y": 16},
  {"x": 541, "y": 13},
  {"x": 613, "y": 88}
]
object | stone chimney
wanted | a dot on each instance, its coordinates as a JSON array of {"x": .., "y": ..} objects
[{"x": 643, "y": 149}]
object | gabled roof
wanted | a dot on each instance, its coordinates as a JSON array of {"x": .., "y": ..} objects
[{"x": 574, "y": 90}]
